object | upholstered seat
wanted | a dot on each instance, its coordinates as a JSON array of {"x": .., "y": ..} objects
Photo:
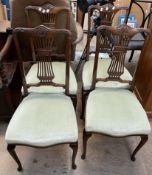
[
  {"x": 43, "y": 120},
  {"x": 137, "y": 42},
  {"x": 115, "y": 112},
  {"x": 103, "y": 65},
  {"x": 59, "y": 72}
]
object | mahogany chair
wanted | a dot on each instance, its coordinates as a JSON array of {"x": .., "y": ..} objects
[
  {"x": 115, "y": 112},
  {"x": 50, "y": 16},
  {"x": 44, "y": 119},
  {"x": 98, "y": 15}
]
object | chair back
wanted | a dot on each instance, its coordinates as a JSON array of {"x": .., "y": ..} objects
[
  {"x": 100, "y": 15},
  {"x": 19, "y": 18},
  {"x": 48, "y": 15},
  {"x": 119, "y": 38},
  {"x": 44, "y": 49},
  {"x": 103, "y": 15}
]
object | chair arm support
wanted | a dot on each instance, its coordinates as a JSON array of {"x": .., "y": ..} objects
[{"x": 6, "y": 47}]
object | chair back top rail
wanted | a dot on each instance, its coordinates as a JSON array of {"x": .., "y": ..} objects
[
  {"x": 102, "y": 15},
  {"x": 44, "y": 47},
  {"x": 48, "y": 14}
]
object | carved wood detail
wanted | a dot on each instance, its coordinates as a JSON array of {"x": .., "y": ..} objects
[{"x": 48, "y": 14}]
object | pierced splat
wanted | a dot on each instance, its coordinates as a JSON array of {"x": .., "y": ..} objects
[
  {"x": 47, "y": 13},
  {"x": 43, "y": 49}
]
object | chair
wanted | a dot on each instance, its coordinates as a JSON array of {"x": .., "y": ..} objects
[
  {"x": 98, "y": 15},
  {"x": 115, "y": 112},
  {"x": 38, "y": 14},
  {"x": 44, "y": 119},
  {"x": 50, "y": 16},
  {"x": 105, "y": 54},
  {"x": 137, "y": 41}
]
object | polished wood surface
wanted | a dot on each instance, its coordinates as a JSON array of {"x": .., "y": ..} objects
[
  {"x": 10, "y": 84},
  {"x": 144, "y": 77}
]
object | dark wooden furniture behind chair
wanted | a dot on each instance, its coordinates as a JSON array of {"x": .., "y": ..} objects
[
  {"x": 105, "y": 105},
  {"x": 10, "y": 81},
  {"x": 143, "y": 84},
  {"x": 51, "y": 116}
]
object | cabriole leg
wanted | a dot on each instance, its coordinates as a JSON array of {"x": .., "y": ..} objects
[
  {"x": 74, "y": 147},
  {"x": 11, "y": 150},
  {"x": 86, "y": 136},
  {"x": 141, "y": 143}
]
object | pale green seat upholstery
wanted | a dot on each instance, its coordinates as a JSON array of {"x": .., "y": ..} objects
[
  {"x": 59, "y": 72},
  {"x": 43, "y": 120},
  {"x": 115, "y": 112},
  {"x": 103, "y": 65}
]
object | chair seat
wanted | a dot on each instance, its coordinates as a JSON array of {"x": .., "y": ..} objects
[
  {"x": 115, "y": 112},
  {"x": 103, "y": 65},
  {"x": 59, "y": 72},
  {"x": 43, "y": 120},
  {"x": 136, "y": 42}
]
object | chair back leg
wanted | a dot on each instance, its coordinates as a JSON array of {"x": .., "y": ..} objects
[
  {"x": 11, "y": 150},
  {"x": 131, "y": 55}
]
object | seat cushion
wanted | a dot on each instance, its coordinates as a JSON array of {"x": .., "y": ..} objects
[
  {"x": 115, "y": 112},
  {"x": 59, "y": 72},
  {"x": 103, "y": 65},
  {"x": 43, "y": 120},
  {"x": 136, "y": 42}
]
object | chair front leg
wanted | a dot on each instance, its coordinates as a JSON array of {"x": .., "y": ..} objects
[
  {"x": 11, "y": 150},
  {"x": 86, "y": 136},
  {"x": 141, "y": 143},
  {"x": 74, "y": 147}
]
